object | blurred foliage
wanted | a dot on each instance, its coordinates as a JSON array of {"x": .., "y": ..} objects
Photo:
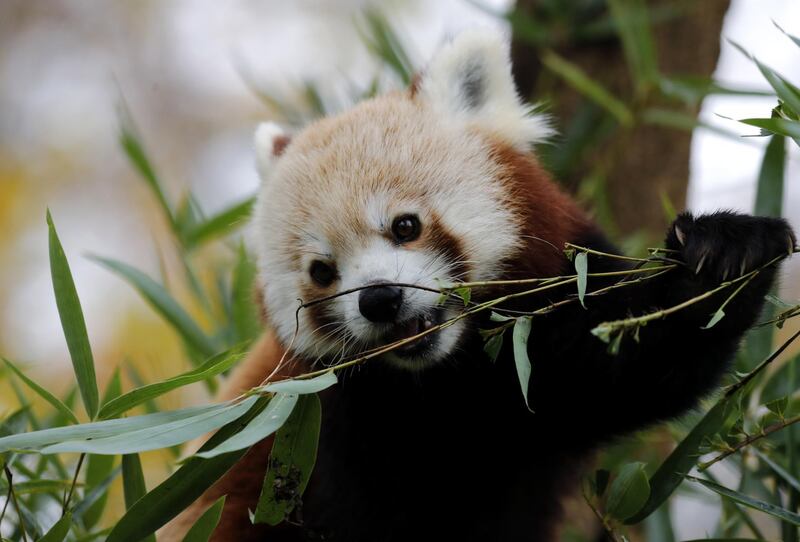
[{"x": 55, "y": 496}]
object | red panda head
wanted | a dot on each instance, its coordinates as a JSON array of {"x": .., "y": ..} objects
[{"x": 430, "y": 186}]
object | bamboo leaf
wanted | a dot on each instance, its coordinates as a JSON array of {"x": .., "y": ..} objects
[
  {"x": 59, "y": 531},
  {"x": 129, "y": 141},
  {"x": 220, "y": 224},
  {"x": 493, "y": 346},
  {"x": 575, "y": 77},
  {"x": 769, "y": 195},
  {"x": 267, "y": 422},
  {"x": 214, "y": 366},
  {"x": 163, "y": 303},
  {"x": 204, "y": 526},
  {"x": 94, "y": 496},
  {"x": 675, "y": 467},
  {"x": 245, "y": 311},
  {"x": 750, "y": 502},
  {"x": 778, "y": 126},
  {"x": 183, "y": 487},
  {"x": 43, "y": 393},
  {"x": 160, "y": 436},
  {"x": 582, "y": 269},
  {"x": 133, "y": 485},
  {"x": 795, "y": 39},
  {"x": 301, "y": 386},
  {"x": 96, "y": 430},
  {"x": 72, "y": 322},
  {"x": 521, "y": 334},
  {"x": 291, "y": 462},
  {"x": 786, "y": 91},
  {"x": 633, "y": 27},
  {"x": 628, "y": 492},
  {"x": 718, "y": 315}
]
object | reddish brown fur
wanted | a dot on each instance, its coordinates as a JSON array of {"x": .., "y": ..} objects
[{"x": 549, "y": 217}]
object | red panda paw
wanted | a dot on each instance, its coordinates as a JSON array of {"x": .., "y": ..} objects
[{"x": 725, "y": 244}]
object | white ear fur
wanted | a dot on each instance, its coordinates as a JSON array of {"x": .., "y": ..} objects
[
  {"x": 470, "y": 77},
  {"x": 269, "y": 139}
]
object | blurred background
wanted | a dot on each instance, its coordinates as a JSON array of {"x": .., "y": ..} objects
[{"x": 643, "y": 132}]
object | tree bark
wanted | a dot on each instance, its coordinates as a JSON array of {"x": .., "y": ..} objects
[{"x": 647, "y": 161}]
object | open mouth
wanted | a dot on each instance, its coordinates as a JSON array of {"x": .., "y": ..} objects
[{"x": 412, "y": 327}]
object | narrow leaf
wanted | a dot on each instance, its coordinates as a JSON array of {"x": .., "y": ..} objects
[
  {"x": 493, "y": 346},
  {"x": 59, "y": 531},
  {"x": 628, "y": 492},
  {"x": 719, "y": 315},
  {"x": 72, "y": 322},
  {"x": 291, "y": 461},
  {"x": 36, "y": 439},
  {"x": 214, "y": 366},
  {"x": 795, "y": 39},
  {"x": 160, "y": 436},
  {"x": 769, "y": 195},
  {"x": 221, "y": 223},
  {"x": 163, "y": 303},
  {"x": 683, "y": 458},
  {"x": 302, "y": 386},
  {"x": 132, "y": 479},
  {"x": 244, "y": 310},
  {"x": 750, "y": 502},
  {"x": 582, "y": 268},
  {"x": 790, "y": 128},
  {"x": 204, "y": 526},
  {"x": 183, "y": 487},
  {"x": 522, "y": 331},
  {"x": 575, "y": 77},
  {"x": 94, "y": 496},
  {"x": 43, "y": 393},
  {"x": 267, "y": 422}
]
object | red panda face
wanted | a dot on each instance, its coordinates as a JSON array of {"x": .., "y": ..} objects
[{"x": 402, "y": 189}]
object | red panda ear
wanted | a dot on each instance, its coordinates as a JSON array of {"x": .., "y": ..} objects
[
  {"x": 270, "y": 142},
  {"x": 470, "y": 78}
]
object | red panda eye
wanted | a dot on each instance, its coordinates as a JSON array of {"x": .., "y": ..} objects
[
  {"x": 406, "y": 228},
  {"x": 322, "y": 273}
]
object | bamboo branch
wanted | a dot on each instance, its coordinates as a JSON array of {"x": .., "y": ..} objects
[{"x": 750, "y": 439}]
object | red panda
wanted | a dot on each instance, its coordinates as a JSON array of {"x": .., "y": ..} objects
[{"x": 434, "y": 441}]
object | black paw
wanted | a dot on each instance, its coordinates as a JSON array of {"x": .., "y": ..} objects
[{"x": 725, "y": 245}]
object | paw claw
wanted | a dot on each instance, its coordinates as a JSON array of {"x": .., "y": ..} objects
[{"x": 680, "y": 235}]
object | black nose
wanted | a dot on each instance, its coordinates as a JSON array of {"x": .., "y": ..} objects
[{"x": 380, "y": 303}]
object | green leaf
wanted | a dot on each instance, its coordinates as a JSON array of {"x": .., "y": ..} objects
[
  {"x": 464, "y": 293},
  {"x": 633, "y": 27},
  {"x": 692, "y": 89},
  {"x": 163, "y": 303},
  {"x": 795, "y": 39},
  {"x": 628, "y": 492},
  {"x": 221, "y": 223},
  {"x": 214, "y": 366},
  {"x": 32, "y": 487},
  {"x": 59, "y": 531},
  {"x": 291, "y": 462},
  {"x": 771, "y": 509},
  {"x": 99, "y": 467},
  {"x": 204, "y": 526},
  {"x": 43, "y": 393},
  {"x": 575, "y": 77},
  {"x": 129, "y": 140},
  {"x": 301, "y": 386},
  {"x": 581, "y": 268},
  {"x": 133, "y": 484},
  {"x": 769, "y": 195},
  {"x": 160, "y": 436},
  {"x": 778, "y": 126},
  {"x": 383, "y": 42},
  {"x": 94, "y": 430},
  {"x": 777, "y": 469},
  {"x": 69, "y": 310},
  {"x": 718, "y": 315},
  {"x": 267, "y": 422},
  {"x": 493, "y": 346},
  {"x": 244, "y": 309},
  {"x": 94, "y": 496},
  {"x": 522, "y": 331},
  {"x": 785, "y": 90},
  {"x": 185, "y": 486},
  {"x": 683, "y": 458}
]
